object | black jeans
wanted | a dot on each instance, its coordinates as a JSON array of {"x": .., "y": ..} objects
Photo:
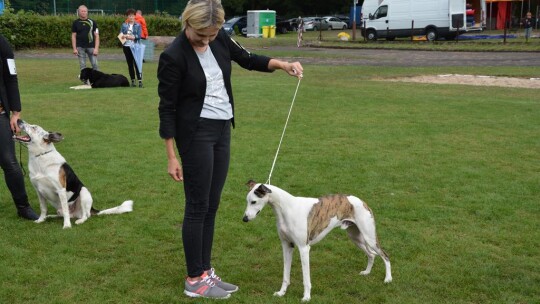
[
  {"x": 8, "y": 161},
  {"x": 132, "y": 67},
  {"x": 205, "y": 166}
]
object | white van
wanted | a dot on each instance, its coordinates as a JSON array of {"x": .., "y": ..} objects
[{"x": 435, "y": 19}]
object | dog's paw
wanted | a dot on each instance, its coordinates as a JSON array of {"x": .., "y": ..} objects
[
  {"x": 40, "y": 220},
  {"x": 388, "y": 280},
  {"x": 306, "y": 299},
  {"x": 365, "y": 272},
  {"x": 279, "y": 293},
  {"x": 67, "y": 226},
  {"x": 81, "y": 220}
]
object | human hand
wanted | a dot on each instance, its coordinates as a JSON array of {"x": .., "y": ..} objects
[
  {"x": 75, "y": 52},
  {"x": 175, "y": 170},
  {"x": 13, "y": 121},
  {"x": 295, "y": 69},
  {"x": 96, "y": 52}
]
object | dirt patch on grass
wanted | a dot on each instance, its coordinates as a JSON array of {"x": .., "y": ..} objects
[{"x": 476, "y": 80}]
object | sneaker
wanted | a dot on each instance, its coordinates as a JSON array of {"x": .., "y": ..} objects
[
  {"x": 204, "y": 288},
  {"x": 228, "y": 287},
  {"x": 140, "y": 84}
]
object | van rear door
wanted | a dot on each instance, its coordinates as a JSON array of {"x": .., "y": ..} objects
[{"x": 456, "y": 10}]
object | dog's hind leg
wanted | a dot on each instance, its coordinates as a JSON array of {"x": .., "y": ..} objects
[
  {"x": 288, "y": 249},
  {"x": 86, "y": 205},
  {"x": 304, "y": 258},
  {"x": 356, "y": 237}
]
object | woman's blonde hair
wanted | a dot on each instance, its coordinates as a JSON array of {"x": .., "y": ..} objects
[{"x": 201, "y": 14}]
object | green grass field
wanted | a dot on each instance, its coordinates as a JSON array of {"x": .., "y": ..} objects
[{"x": 451, "y": 173}]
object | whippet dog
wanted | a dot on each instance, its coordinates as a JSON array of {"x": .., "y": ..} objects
[
  {"x": 55, "y": 181},
  {"x": 303, "y": 221}
]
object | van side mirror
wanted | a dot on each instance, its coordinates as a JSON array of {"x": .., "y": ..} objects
[{"x": 370, "y": 16}]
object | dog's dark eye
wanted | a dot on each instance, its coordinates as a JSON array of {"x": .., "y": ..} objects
[{"x": 253, "y": 202}]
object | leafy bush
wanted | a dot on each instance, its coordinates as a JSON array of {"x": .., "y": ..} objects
[{"x": 26, "y": 30}]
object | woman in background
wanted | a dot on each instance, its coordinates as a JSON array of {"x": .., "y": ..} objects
[{"x": 131, "y": 31}]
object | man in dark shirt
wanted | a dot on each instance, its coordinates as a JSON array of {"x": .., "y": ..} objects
[{"x": 85, "y": 38}]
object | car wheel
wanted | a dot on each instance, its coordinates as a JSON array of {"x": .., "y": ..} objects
[
  {"x": 315, "y": 28},
  {"x": 330, "y": 28},
  {"x": 371, "y": 35},
  {"x": 431, "y": 34},
  {"x": 344, "y": 27},
  {"x": 294, "y": 29}
]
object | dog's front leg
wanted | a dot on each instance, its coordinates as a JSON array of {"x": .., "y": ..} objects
[
  {"x": 42, "y": 208},
  {"x": 288, "y": 249},
  {"x": 65, "y": 208},
  {"x": 304, "y": 258}
]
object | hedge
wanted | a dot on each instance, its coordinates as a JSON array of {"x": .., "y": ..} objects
[{"x": 26, "y": 30}]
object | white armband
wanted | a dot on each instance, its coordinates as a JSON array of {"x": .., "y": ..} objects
[{"x": 12, "y": 67}]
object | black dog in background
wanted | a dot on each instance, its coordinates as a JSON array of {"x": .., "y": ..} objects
[{"x": 99, "y": 79}]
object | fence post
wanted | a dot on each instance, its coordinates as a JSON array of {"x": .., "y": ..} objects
[{"x": 412, "y": 30}]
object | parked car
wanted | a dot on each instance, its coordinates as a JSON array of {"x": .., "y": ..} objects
[
  {"x": 315, "y": 24},
  {"x": 236, "y": 25},
  {"x": 347, "y": 20},
  {"x": 335, "y": 23},
  {"x": 285, "y": 25},
  {"x": 293, "y": 24}
]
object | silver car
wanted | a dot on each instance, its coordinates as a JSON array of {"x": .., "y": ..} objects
[
  {"x": 335, "y": 23},
  {"x": 315, "y": 24}
]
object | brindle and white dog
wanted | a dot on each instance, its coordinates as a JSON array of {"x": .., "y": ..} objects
[
  {"x": 55, "y": 181},
  {"x": 304, "y": 221}
]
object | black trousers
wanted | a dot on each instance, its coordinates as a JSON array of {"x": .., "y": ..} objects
[
  {"x": 205, "y": 166},
  {"x": 8, "y": 161},
  {"x": 132, "y": 67}
]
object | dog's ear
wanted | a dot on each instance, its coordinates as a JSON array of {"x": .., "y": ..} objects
[
  {"x": 262, "y": 191},
  {"x": 251, "y": 183},
  {"x": 53, "y": 137}
]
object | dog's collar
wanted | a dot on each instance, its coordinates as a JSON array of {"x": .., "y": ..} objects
[{"x": 46, "y": 152}]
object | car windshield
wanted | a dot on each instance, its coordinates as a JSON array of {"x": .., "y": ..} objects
[{"x": 232, "y": 20}]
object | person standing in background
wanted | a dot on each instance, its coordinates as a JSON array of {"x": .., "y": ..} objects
[
  {"x": 10, "y": 112},
  {"x": 85, "y": 38},
  {"x": 131, "y": 31},
  {"x": 528, "y": 25},
  {"x": 140, "y": 19}
]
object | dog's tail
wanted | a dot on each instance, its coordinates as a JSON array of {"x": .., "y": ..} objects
[{"x": 126, "y": 206}]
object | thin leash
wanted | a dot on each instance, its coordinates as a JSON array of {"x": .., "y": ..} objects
[{"x": 283, "y": 133}]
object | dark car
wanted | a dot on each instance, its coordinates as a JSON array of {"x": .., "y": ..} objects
[
  {"x": 285, "y": 25},
  {"x": 234, "y": 26}
]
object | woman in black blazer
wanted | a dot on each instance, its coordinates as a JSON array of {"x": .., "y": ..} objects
[
  {"x": 196, "y": 112},
  {"x": 10, "y": 111}
]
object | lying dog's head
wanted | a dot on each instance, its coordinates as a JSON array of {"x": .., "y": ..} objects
[
  {"x": 89, "y": 75},
  {"x": 257, "y": 198},
  {"x": 36, "y": 138}
]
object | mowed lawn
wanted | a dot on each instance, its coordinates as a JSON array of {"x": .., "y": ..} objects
[{"x": 451, "y": 172}]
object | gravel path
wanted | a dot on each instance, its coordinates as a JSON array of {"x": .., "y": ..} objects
[{"x": 368, "y": 57}]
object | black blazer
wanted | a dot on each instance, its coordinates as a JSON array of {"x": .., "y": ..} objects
[
  {"x": 9, "y": 84},
  {"x": 182, "y": 83}
]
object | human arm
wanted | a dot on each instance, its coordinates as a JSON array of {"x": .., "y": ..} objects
[
  {"x": 11, "y": 95},
  {"x": 291, "y": 68},
  {"x": 74, "y": 43},
  {"x": 96, "y": 39},
  {"x": 173, "y": 165}
]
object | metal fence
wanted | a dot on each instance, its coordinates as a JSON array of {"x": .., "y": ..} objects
[{"x": 55, "y": 7}]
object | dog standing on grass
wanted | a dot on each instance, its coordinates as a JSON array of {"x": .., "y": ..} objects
[
  {"x": 303, "y": 221},
  {"x": 55, "y": 181}
]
